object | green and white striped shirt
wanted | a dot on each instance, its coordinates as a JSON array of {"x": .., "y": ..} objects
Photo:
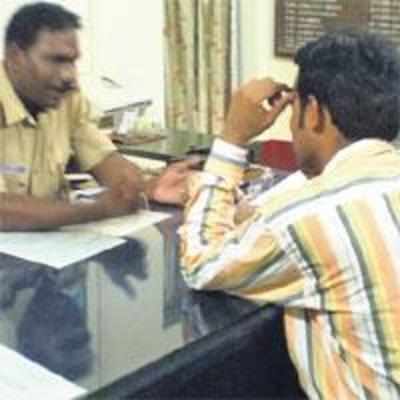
[{"x": 329, "y": 251}]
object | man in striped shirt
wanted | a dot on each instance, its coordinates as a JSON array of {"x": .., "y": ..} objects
[{"x": 329, "y": 250}]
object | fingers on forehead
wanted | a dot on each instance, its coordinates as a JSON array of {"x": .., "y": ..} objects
[{"x": 268, "y": 83}]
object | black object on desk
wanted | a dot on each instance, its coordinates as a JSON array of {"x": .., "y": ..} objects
[
  {"x": 174, "y": 145},
  {"x": 177, "y": 145}
]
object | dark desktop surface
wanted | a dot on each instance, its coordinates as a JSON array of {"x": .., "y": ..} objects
[
  {"x": 171, "y": 144},
  {"x": 113, "y": 318}
]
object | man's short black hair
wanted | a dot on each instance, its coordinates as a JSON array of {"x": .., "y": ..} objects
[
  {"x": 356, "y": 76},
  {"x": 29, "y": 20}
]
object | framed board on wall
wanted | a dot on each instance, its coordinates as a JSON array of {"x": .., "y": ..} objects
[{"x": 299, "y": 21}]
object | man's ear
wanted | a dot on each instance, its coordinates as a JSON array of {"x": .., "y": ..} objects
[
  {"x": 15, "y": 59},
  {"x": 314, "y": 115},
  {"x": 13, "y": 52}
]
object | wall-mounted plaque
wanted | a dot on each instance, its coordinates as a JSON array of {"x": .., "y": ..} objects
[{"x": 299, "y": 21}]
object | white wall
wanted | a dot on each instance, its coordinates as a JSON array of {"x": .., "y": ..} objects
[{"x": 257, "y": 48}]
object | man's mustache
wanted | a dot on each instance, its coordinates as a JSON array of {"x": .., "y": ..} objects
[{"x": 67, "y": 87}]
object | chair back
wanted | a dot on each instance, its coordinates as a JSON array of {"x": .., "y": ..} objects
[{"x": 278, "y": 154}]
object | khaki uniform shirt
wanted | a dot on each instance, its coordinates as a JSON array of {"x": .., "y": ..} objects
[{"x": 34, "y": 153}]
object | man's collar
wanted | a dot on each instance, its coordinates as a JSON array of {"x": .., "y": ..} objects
[
  {"x": 14, "y": 110},
  {"x": 364, "y": 146}
]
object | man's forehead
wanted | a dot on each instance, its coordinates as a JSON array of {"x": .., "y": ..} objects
[{"x": 59, "y": 41}]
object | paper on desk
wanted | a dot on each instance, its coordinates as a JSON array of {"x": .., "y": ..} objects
[
  {"x": 22, "y": 379},
  {"x": 78, "y": 176},
  {"x": 145, "y": 162},
  {"x": 56, "y": 249},
  {"x": 120, "y": 226}
]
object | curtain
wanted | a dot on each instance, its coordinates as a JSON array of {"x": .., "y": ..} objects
[{"x": 198, "y": 64}]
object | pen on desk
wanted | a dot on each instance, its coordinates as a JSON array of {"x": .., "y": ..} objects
[{"x": 146, "y": 204}]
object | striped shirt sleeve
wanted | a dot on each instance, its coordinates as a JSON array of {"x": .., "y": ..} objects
[{"x": 249, "y": 259}]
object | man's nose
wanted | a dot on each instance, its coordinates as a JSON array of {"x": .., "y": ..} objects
[{"x": 69, "y": 75}]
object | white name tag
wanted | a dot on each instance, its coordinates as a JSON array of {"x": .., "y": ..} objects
[{"x": 12, "y": 169}]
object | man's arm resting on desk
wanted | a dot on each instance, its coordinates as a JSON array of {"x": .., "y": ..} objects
[
  {"x": 169, "y": 187},
  {"x": 246, "y": 259},
  {"x": 216, "y": 254},
  {"x": 22, "y": 213},
  {"x": 116, "y": 171},
  {"x": 124, "y": 182}
]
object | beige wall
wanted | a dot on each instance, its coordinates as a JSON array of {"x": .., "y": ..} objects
[{"x": 257, "y": 49}]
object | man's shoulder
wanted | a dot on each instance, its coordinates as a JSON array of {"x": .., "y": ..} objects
[
  {"x": 11, "y": 108},
  {"x": 2, "y": 116},
  {"x": 306, "y": 197},
  {"x": 76, "y": 103},
  {"x": 328, "y": 191}
]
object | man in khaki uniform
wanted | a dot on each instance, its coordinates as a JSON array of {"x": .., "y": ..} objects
[{"x": 44, "y": 120}]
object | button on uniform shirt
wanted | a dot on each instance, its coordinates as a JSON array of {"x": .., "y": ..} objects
[
  {"x": 34, "y": 153},
  {"x": 329, "y": 251}
]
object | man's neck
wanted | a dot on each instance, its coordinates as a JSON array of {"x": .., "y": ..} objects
[{"x": 33, "y": 109}]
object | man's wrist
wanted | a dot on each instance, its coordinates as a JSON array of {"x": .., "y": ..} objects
[{"x": 227, "y": 160}]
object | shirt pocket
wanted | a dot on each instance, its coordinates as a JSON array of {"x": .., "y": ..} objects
[
  {"x": 48, "y": 178},
  {"x": 15, "y": 181}
]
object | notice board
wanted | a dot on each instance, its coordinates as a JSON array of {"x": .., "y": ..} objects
[{"x": 299, "y": 21}]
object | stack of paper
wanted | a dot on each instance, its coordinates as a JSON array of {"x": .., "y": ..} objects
[
  {"x": 119, "y": 226},
  {"x": 75, "y": 243},
  {"x": 56, "y": 249},
  {"x": 22, "y": 379}
]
